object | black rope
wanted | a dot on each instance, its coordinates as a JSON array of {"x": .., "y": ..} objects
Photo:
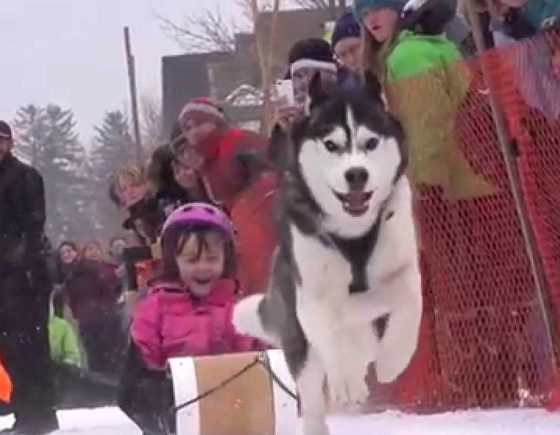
[{"x": 263, "y": 360}]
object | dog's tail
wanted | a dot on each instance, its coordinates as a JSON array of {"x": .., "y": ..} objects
[{"x": 248, "y": 318}]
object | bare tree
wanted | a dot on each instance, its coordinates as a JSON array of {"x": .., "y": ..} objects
[
  {"x": 209, "y": 31},
  {"x": 151, "y": 122},
  {"x": 330, "y": 5},
  {"x": 264, "y": 43}
]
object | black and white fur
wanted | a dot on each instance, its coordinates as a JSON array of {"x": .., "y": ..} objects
[{"x": 345, "y": 289}]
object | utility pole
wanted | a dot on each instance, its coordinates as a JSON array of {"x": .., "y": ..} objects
[
  {"x": 133, "y": 95},
  {"x": 342, "y": 5},
  {"x": 332, "y": 9}
]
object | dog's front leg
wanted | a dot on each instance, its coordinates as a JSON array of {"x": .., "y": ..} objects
[
  {"x": 342, "y": 354},
  {"x": 310, "y": 382},
  {"x": 398, "y": 344}
]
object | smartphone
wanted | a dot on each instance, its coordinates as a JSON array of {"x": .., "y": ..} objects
[{"x": 285, "y": 92}]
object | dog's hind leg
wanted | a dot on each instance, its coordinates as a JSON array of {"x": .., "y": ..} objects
[{"x": 310, "y": 382}]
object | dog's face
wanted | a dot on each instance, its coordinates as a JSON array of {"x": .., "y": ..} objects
[{"x": 348, "y": 154}]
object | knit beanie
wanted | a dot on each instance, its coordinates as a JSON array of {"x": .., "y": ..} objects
[
  {"x": 5, "y": 130},
  {"x": 346, "y": 27},
  {"x": 361, "y": 7},
  {"x": 311, "y": 53},
  {"x": 204, "y": 109}
]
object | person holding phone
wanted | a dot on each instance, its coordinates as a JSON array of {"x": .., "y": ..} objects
[{"x": 306, "y": 58}]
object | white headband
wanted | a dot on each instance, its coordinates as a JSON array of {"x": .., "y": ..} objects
[
  {"x": 201, "y": 108},
  {"x": 315, "y": 64}
]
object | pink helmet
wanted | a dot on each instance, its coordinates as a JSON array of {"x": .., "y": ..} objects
[{"x": 200, "y": 213}]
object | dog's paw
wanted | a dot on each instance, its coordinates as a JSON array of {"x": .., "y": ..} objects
[
  {"x": 314, "y": 426},
  {"x": 347, "y": 391}
]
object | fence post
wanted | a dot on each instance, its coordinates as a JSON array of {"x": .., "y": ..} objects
[{"x": 507, "y": 147}]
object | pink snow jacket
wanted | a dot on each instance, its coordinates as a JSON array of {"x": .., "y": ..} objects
[{"x": 172, "y": 323}]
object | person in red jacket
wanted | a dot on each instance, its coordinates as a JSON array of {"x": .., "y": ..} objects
[
  {"x": 229, "y": 158},
  {"x": 238, "y": 174},
  {"x": 188, "y": 311}
]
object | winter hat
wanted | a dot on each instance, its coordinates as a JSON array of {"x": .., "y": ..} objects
[
  {"x": 429, "y": 17},
  {"x": 362, "y": 6},
  {"x": 203, "y": 108},
  {"x": 5, "y": 130},
  {"x": 346, "y": 27},
  {"x": 311, "y": 53}
]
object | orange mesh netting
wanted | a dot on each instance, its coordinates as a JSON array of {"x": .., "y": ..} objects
[
  {"x": 532, "y": 102},
  {"x": 477, "y": 278}
]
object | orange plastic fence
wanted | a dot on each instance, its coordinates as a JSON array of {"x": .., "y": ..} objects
[{"x": 484, "y": 336}]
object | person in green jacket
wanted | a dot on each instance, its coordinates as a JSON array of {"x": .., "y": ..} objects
[
  {"x": 65, "y": 348},
  {"x": 425, "y": 82}
]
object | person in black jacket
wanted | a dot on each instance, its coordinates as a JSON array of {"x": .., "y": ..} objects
[{"x": 24, "y": 292}]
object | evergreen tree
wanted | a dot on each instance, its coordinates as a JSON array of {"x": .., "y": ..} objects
[
  {"x": 113, "y": 149},
  {"x": 113, "y": 145},
  {"x": 47, "y": 139}
]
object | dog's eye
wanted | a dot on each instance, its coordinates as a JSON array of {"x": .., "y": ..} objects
[
  {"x": 371, "y": 144},
  {"x": 331, "y": 146}
]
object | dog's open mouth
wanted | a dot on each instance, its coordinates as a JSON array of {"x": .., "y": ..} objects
[{"x": 354, "y": 203}]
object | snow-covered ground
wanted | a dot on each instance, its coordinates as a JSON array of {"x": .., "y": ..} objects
[{"x": 109, "y": 421}]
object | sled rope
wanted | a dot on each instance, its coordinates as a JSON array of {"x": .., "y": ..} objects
[
  {"x": 263, "y": 360},
  {"x": 260, "y": 359}
]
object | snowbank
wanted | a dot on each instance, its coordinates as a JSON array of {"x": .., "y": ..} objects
[{"x": 109, "y": 421}]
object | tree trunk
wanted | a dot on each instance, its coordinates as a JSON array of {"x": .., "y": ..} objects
[{"x": 265, "y": 44}]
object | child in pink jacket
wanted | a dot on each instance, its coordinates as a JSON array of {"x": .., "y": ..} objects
[{"x": 187, "y": 313}]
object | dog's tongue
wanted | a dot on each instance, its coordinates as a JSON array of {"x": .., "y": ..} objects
[{"x": 356, "y": 200}]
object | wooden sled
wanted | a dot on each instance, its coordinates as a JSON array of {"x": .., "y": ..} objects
[{"x": 236, "y": 394}]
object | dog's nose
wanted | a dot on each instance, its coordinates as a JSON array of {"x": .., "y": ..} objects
[{"x": 357, "y": 178}]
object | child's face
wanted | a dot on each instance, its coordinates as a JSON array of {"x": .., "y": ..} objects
[
  {"x": 200, "y": 272},
  {"x": 93, "y": 252},
  {"x": 349, "y": 53},
  {"x": 196, "y": 130},
  {"x": 381, "y": 23},
  {"x": 185, "y": 167},
  {"x": 67, "y": 254},
  {"x": 131, "y": 193}
]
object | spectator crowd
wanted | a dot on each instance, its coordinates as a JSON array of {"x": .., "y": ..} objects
[{"x": 166, "y": 286}]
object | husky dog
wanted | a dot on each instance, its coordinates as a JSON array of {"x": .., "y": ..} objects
[{"x": 345, "y": 288}]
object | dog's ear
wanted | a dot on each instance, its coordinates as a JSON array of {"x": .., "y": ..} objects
[{"x": 373, "y": 88}]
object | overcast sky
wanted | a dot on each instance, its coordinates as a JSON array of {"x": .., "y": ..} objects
[{"x": 70, "y": 52}]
